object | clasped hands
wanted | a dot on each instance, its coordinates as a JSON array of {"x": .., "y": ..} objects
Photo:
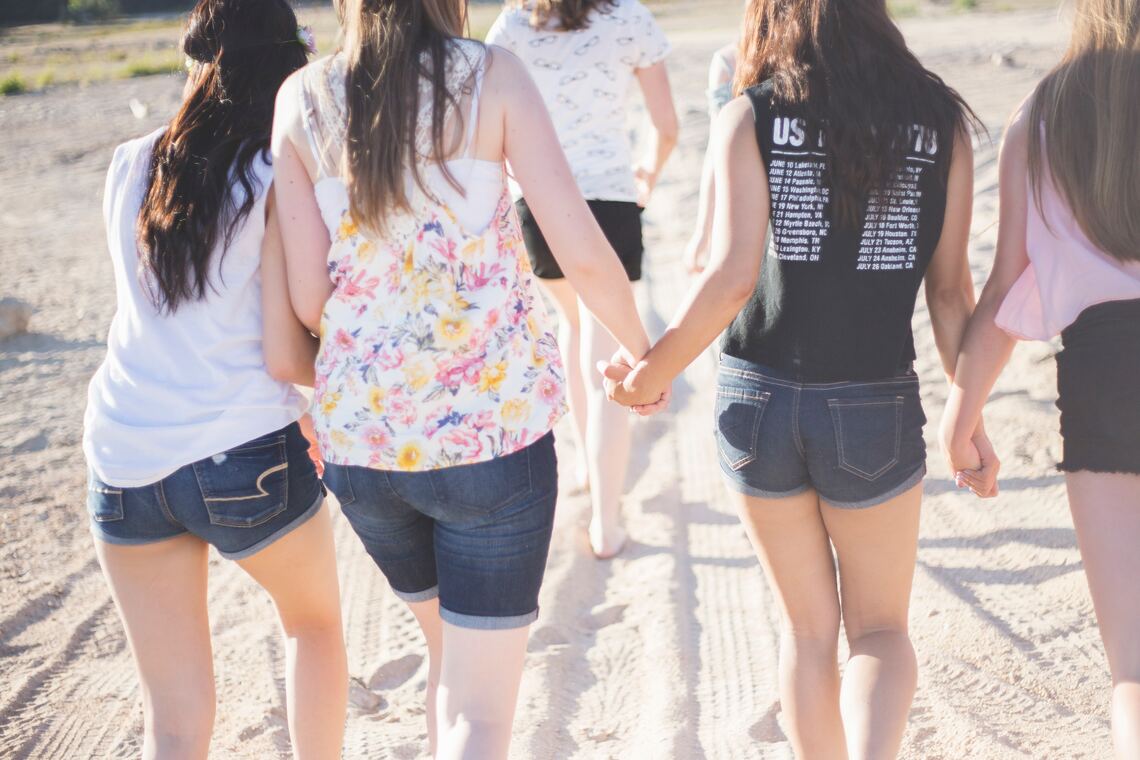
[{"x": 627, "y": 383}]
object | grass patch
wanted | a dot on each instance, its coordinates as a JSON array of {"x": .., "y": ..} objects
[
  {"x": 902, "y": 8},
  {"x": 13, "y": 84},
  {"x": 45, "y": 79},
  {"x": 964, "y": 5},
  {"x": 150, "y": 66}
]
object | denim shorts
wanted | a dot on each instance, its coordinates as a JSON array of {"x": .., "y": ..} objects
[
  {"x": 1098, "y": 373},
  {"x": 475, "y": 536},
  {"x": 240, "y": 501},
  {"x": 857, "y": 444}
]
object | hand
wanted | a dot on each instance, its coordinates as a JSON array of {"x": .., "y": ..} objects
[
  {"x": 310, "y": 434},
  {"x": 696, "y": 254},
  {"x": 645, "y": 180},
  {"x": 983, "y": 479},
  {"x": 621, "y": 377}
]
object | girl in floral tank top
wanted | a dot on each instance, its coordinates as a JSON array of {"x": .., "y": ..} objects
[
  {"x": 438, "y": 381},
  {"x": 435, "y": 349}
]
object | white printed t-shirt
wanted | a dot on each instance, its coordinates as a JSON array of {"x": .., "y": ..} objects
[{"x": 584, "y": 77}]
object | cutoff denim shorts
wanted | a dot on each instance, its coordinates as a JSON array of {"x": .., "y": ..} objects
[
  {"x": 857, "y": 444},
  {"x": 476, "y": 536},
  {"x": 240, "y": 501}
]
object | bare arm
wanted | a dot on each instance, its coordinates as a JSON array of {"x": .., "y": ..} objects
[
  {"x": 949, "y": 285},
  {"x": 290, "y": 349},
  {"x": 654, "y": 82},
  {"x": 696, "y": 252},
  {"x": 737, "y": 251},
  {"x": 577, "y": 242},
  {"x": 986, "y": 347},
  {"x": 306, "y": 239}
]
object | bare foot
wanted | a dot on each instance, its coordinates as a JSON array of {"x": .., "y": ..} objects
[{"x": 606, "y": 544}]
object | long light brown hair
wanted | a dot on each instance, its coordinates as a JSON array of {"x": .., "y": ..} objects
[
  {"x": 390, "y": 45},
  {"x": 846, "y": 64},
  {"x": 564, "y": 15},
  {"x": 1089, "y": 107}
]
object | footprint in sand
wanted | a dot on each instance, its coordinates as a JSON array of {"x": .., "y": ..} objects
[
  {"x": 767, "y": 729},
  {"x": 606, "y": 616},
  {"x": 547, "y": 637},
  {"x": 395, "y": 673},
  {"x": 364, "y": 700}
]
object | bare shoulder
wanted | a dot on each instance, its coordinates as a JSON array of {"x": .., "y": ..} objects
[
  {"x": 735, "y": 121},
  {"x": 504, "y": 68},
  {"x": 1016, "y": 136}
]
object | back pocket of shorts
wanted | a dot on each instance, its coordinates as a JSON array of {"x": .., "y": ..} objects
[
  {"x": 867, "y": 434},
  {"x": 104, "y": 502},
  {"x": 484, "y": 487},
  {"x": 738, "y": 415},
  {"x": 245, "y": 486}
]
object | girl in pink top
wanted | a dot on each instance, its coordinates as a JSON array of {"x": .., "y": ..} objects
[{"x": 1068, "y": 262}]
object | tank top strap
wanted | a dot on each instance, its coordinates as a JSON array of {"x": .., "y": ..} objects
[
  {"x": 322, "y": 115},
  {"x": 473, "y": 114}
]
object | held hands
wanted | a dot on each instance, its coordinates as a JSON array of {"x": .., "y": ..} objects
[
  {"x": 621, "y": 378},
  {"x": 974, "y": 463}
]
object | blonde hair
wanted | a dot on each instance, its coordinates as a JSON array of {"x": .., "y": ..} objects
[
  {"x": 1085, "y": 126},
  {"x": 390, "y": 45}
]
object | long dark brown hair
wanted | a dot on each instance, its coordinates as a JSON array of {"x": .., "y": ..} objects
[
  {"x": 240, "y": 51},
  {"x": 1089, "y": 106},
  {"x": 846, "y": 64},
  {"x": 564, "y": 15},
  {"x": 390, "y": 46}
]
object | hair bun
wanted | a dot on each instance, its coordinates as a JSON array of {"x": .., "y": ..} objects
[{"x": 204, "y": 37}]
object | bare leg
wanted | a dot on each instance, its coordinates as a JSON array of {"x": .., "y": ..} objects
[
  {"x": 478, "y": 690},
  {"x": 790, "y": 539},
  {"x": 569, "y": 345},
  {"x": 160, "y": 590},
  {"x": 608, "y": 435},
  {"x": 1106, "y": 513},
  {"x": 876, "y": 549},
  {"x": 427, "y": 614},
  {"x": 299, "y": 572}
]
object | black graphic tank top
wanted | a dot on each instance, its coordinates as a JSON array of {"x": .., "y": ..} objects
[{"x": 834, "y": 302}]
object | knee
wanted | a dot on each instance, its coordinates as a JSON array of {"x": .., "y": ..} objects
[
  {"x": 878, "y": 639},
  {"x": 816, "y": 634},
  {"x": 313, "y": 625}
]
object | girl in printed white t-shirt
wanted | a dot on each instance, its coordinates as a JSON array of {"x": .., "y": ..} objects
[{"x": 585, "y": 55}]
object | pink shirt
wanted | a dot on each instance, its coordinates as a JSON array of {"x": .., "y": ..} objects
[{"x": 1067, "y": 273}]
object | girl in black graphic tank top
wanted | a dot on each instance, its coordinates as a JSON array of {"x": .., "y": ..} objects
[{"x": 859, "y": 160}]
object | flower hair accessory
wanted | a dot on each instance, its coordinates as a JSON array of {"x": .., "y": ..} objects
[{"x": 307, "y": 39}]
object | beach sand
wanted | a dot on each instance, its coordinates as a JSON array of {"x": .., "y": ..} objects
[{"x": 668, "y": 651}]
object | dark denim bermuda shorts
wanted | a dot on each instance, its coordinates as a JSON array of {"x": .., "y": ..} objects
[
  {"x": 241, "y": 500},
  {"x": 475, "y": 536},
  {"x": 857, "y": 444}
]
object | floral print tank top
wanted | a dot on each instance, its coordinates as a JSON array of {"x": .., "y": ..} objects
[{"x": 435, "y": 348}]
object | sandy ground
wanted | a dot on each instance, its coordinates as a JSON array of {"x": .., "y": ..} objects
[{"x": 668, "y": 651}]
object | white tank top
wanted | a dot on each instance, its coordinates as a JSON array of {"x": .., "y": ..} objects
[
  {"x": 322, "y": 101},
  {"x": 177, "y": 388}
]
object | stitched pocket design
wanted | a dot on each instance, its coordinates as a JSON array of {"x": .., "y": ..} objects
[
  {"x": 738, "y": 415},
  {"x": 867, "y": 433},
  {"x": 246, "y": 486}
]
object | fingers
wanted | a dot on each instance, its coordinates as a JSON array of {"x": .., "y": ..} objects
[
  {"x": 648, "y": 410},
  {"x": 983, "y": 482},
  {"x": 615, "y": 372}
]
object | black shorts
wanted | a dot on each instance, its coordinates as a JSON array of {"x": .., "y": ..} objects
[
  {"x": 1098, "y": 376},
  {"x": 619, "y": 220}
]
